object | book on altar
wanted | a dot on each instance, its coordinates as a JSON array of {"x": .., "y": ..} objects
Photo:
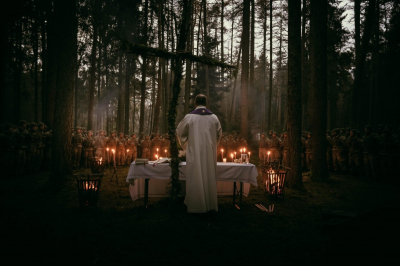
[{"x": 141, "y": 161}]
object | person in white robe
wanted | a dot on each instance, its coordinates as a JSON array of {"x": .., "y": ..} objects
[{"x": 199, "y": 133}]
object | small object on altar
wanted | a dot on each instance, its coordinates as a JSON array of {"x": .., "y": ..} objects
[
  {"x": 141, "y": 161},
  {"x": 88, "y": 189},
  {"x": 224, "y": 160},
  {"x": 243, "y": 158}
]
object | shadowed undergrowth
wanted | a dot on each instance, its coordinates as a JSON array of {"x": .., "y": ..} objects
[{"x": 39, "y": 224}]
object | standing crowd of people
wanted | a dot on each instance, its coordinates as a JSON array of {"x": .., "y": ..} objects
[
  {"x": 117, "y": 149},
  {"x": 26, "y": 148},
  {"x": 372, "y": 154}
]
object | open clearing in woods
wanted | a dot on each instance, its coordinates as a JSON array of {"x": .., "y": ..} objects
[{"x": 344, "y": 220}]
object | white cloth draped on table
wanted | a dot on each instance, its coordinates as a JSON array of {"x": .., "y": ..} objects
[{"x": 199, "y": 135}]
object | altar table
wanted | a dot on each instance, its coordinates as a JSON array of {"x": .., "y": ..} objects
[{"x": 160, "y": 174}]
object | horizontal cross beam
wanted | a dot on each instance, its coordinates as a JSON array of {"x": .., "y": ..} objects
[{"x": 157, "y": 52}]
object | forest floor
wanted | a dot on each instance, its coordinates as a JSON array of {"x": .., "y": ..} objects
[{"x": 344, "y": 221}]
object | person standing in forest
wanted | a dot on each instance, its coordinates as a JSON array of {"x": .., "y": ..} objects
[
  {"x": 77, "y": 140},
  {"x": 199, "y": 133}
]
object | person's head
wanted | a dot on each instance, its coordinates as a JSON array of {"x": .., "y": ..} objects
[
  {"x": 22, "y": 123},
  {"x": 335, "y": 132},
  {"x": 133, "y": 135},
  {"x": 285, "y": 135},
  {"x": 263, "y": 136},
  {"x": 121, "y": 135},
  {"x": 41, "y": 126},
  {"x": 353, "y": 133},
  {"x": 309, "y": 135},
  {"x": 230, "y": 137},
  {"x": 342, "y": 131},
  {"x": 200, "y": 99},
  {"x": 34, "y": 126},
  {"x": 166, "y": 136},
  {"x": 157, "y": 136},
  {"x": 270, "y": 132},
  {"x": 113, "y": 133},
  {"x": 274, "y": 134},
  {"x": 147, "y": 137},
  {"x": 101, "y": 132},
  {"x": 90, "y": 133},
  {"x": 78, "y": 130}
]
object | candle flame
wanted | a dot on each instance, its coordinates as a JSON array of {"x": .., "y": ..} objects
[
  {"x": 165, "y": 150},
  {"x": 127, "y": 150},
  {"x": 269, "y": 152},
  {"x": 157, "y": 149},
  {"x": 241, "y": 150},
  {"x": 101, "y": 159},
  {"x": 107, "y": 149},
  {"x": 222, "y": 150},
  {"x": 113, "y": 151},
  {"x": 244, "y": 150},
  {"x": 232, "y": 155}
]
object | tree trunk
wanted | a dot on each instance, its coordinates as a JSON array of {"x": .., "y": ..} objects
[
  {"x": 144, "y": 71},
  {"x": 375, "y": 64},
  {"x": 175, "y": 184},
  {"x": 360, "y": 63},
  {"x": 160, "y": 64},
  {"x": 66, "y": 43},
  {"x": 44, "y": 61},
  {"x": 270, "y": 67},
  {"x": 318, "y": 91},
  {"x": 294, "y": 177},
  {"x": 127, "y": 91},
  {"x": 304, "y": 65},
  {"x": 264, "y": 60},
  {"x": 252, "y": 55},
  {"x": 205, "y": 47},
  {"x": 49, "y": 103},
  {"x": 244, "y": 107},
  {"x": 120, "y": 110},
  {"x": 92, "y": 68},
  {"x": 188, "y": 79},
  {"x": 232, "y": 117},
  {"x": 35, "y": 48}
]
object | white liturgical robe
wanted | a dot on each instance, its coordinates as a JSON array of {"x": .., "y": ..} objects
[{"x": 199, "y": 134}]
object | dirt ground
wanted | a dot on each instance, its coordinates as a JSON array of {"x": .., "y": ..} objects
[{"x": 344, "y": 221}]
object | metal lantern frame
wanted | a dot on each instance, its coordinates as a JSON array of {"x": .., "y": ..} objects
[
  {"x": 88, "y": 189},
  {"x": 274, "y": 176},
  {"x": 97, "y": 165}
]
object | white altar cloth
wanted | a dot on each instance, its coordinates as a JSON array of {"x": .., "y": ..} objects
[{"x": 160, "y": 175}]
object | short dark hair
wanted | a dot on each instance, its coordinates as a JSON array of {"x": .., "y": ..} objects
[{"x": 201, "y": 99}]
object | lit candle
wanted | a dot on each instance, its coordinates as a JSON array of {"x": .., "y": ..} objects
[
  {"x": 244, "y": 150},
  {"x": 249, "y": 156},
  {"x": 268, "y": 155},
  {"x": 232, "y": 156},
  {"x": 108, "y": 156},
  {"x": 222, "y": 151},
  {"x": 224, "y": 160},
  {"x": 235, "y": 154},
  {"x": 166, "y": 153},
  {"x": 241, "y": 151},
  {"x": 157, "y": 151},
  {"x": 113, "y": 151},
  {"x": 156, "y": 156}
]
